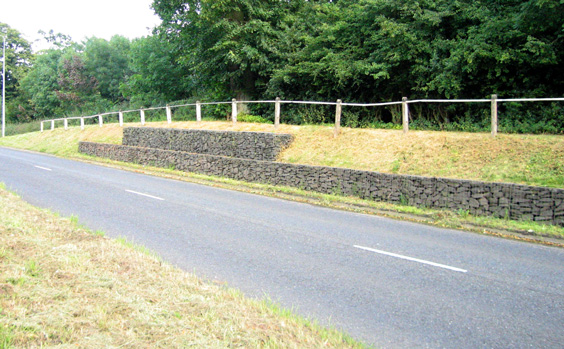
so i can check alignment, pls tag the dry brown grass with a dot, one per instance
(62, 285)
(479, 156)
(536, 160)
(524, 159)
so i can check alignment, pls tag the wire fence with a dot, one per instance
(494, 102)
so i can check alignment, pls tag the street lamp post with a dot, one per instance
(4, 89)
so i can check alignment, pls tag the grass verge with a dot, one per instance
(62, 285)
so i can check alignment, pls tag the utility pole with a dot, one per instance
(4, 90)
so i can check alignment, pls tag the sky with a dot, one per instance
(80, 19)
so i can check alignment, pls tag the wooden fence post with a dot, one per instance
(338, 111)
(494, 115)
(41, 126)
(277, 113)
(120, 116)
(82, 123)
(405, 114)
(66, 122)
(101, 120)
(234, 110)
(142, 112)
(52, 125)
(168, 114)
(198, 111)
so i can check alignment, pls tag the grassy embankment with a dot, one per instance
(63, 285)
(524, 159)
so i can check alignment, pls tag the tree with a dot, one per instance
(230, 46)
(57, 40)
(18, 61)
(156, 76)
(378, 50)
(72, 78)
(18, 57)
(77, 87)
(41, 83)
(542, 22)
(108, 63)
(355, 50)
(371, 50)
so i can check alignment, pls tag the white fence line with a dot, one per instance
(531, 99)
(449, 101)
(494, 101)
(370, 104)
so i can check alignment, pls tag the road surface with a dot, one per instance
(387, 283)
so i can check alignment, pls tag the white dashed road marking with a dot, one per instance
(146, 195)
(412, 259)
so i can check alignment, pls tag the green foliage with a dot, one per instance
(56, 40)
(253, 118)
(353, 50)
(19, 128)
(108, 63)
(6, 336)
(72, 79)
(41, 83)
(156, 76)
(18, 57)
(229, 47)
(184, 113)
(382, 50)
(18, 61)
(532, 118)
(32, 268)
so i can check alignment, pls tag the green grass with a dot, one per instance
(14, 129)
(32, 268)
(6, 336)
(132, 245)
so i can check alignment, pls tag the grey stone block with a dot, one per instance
(246, 145)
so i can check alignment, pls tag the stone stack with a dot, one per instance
(243, 145)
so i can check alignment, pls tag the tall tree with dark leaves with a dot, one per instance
(77, 87)
(156, 77)
(231, 47)
(41, 83)
(108, 63)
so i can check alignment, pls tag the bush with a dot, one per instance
(15, 129)
(253, 118)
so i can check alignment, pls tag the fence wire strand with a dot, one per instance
(493, 100)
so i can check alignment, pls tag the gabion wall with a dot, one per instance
(244, 145)
(480, 198)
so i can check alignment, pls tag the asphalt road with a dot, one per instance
(387, 283)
